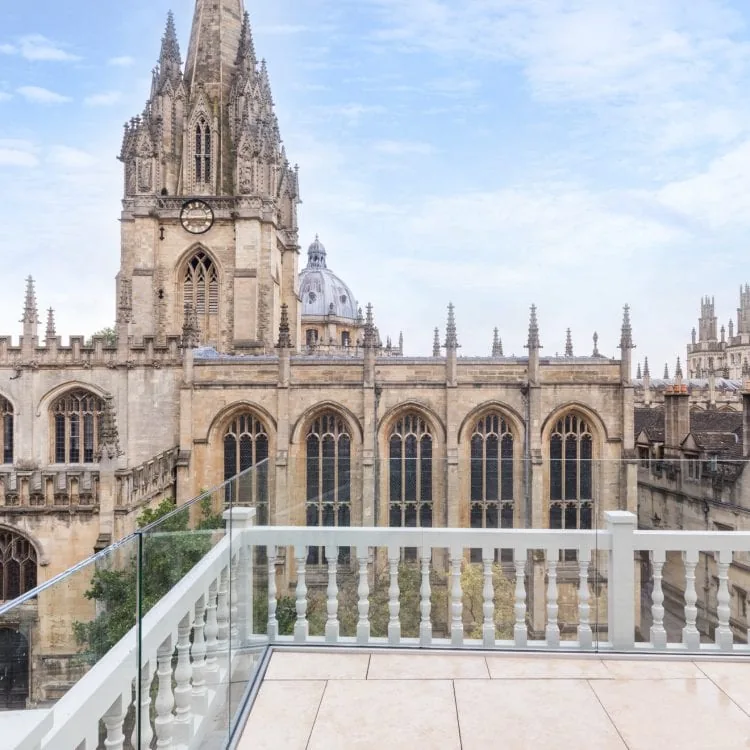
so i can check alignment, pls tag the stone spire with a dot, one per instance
(646, 373)
(568, 344)
(533, 342)
(246, 57)
(666, 371)
(190, 329)
(678, 370)
(370, 333)
(401, 343)
(285, 339)
(638, 374)
(596, 352)
(30, 317)
(451, 337)
(436, 343)
(497, 344)
(170, 58)
(626, 335)
(109, 439)
(50, 333)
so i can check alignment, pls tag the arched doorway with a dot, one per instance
(14, 669)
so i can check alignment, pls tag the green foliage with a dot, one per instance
(169, 551)
(110, 336)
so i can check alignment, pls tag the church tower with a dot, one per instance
(209, 221)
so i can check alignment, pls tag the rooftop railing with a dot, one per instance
(158, 637)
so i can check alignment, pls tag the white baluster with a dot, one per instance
(520, 634)
(211, 631)
(394, 605)
(658, 633)
(272, 629)
(164, 703)
(488, 600)
(457, 596)
(234, 630)
(585, 637)
(332, 595)
(724, 635)
(222, 619)
(363, 594)
(552, 631)
(198, 653)
(113, 721)
(242, 594)
(143, 711)
(183, 723)
(690, 634)
(301, 626)
(425, 599)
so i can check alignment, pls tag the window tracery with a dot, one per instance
(246, 446)
(18, 565)
(6, 435)
(202, 151)
(410, 472)
(201, 290)
(77, 424)
(328, 478)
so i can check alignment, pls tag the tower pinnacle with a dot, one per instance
(533, 342)
(451, 337)
(497, 344)
(626, 335)
(568, 344)
(30, 318)
(436, 343)
(170, 58)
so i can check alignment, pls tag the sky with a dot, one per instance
(575, 154)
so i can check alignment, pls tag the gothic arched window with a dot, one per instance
(18, 565)
(202, 151)
(201, 290)
(77, 421)
(6, 434)
(491, 493)
(328, 477)
(571, 474)
(410, 472)
(245, 447)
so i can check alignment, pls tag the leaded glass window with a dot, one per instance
(76, 421)
(245, 447)
(18, 565)
(410, 472)
(328, 478)
(202, 152)
(201, 291)
(492, 472)
(6, 435)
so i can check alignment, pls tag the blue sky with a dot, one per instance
(576, 154)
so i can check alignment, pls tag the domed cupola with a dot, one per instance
(321, 291)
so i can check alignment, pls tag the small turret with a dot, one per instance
(666, 371)
(50, 333)
(533, 346)
(638, 373)
(596, 352)
(30, 317)
(401, 343)
(370, 341)
(451, 337)
(568, 344)
(646, 373)
(285, 339)
(626, 346)
(497, 344)
(436, 343)
(678, 371)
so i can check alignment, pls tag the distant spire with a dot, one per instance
(626, 336)
(190, 329)
(666, 371)
(638, 374)
(568, 344)
(646, 373)
(30, 317)
(451, 338)
(533, 342)
(596, 353)
(246, 57)
(370, 335)
(436, 344)
(497, 344)
(170, 59)
(678, 370)
(401, 343)
(285, 339)
(50, 333)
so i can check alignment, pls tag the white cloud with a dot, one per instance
(353, 112)
(402, 148)
(124, 61)
(5, 96)
(72, 158)
(105, 99)
(8, 49)
(17, 154)
(39, 95)
(38, 47)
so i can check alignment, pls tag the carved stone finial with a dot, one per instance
(646, 373)
(190, 328)
(436, 343)
(678, 370)
(109, 439)
(626, 336)
(451, 337)
(246, 51)
(596, 352)
(638, 373)
(50, 333)
(371, 338)
(285, 339)
(30, 311)
(533, 341)
(568, 344)
(497, 344)
(666, 371)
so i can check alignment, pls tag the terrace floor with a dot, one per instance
(387, 700)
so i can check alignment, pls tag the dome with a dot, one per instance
(322, 292)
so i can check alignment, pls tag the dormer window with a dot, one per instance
(202, 151)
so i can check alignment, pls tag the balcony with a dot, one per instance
(180, 632)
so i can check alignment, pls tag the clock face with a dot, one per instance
(196, 217)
